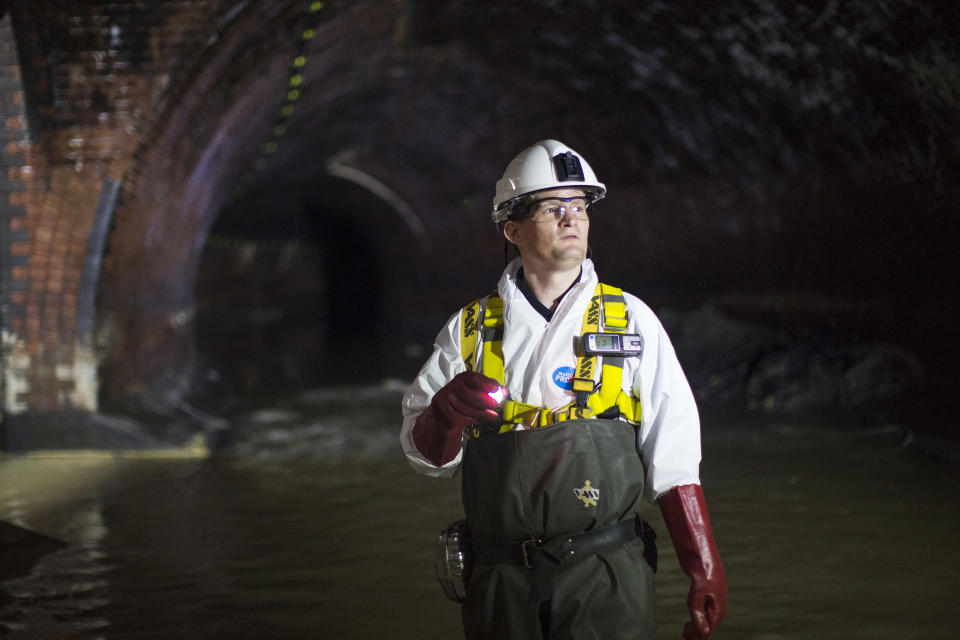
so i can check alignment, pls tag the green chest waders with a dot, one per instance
(533, 500)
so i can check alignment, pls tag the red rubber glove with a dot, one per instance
(465, 400)
(685, 513)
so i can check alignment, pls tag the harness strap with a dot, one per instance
(469, 334)
(583, 385)
(607, 311)
(493, 339)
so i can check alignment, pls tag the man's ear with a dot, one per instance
(510, 230)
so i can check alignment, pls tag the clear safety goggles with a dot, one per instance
(555, 209)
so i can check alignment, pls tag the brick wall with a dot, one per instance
(14, 235)
(87, 94)
(189, 162)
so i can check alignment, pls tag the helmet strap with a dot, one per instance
(506, 251)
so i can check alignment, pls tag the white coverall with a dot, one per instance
(538, 361)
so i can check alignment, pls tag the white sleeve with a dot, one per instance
(669, 435)
(444, 363)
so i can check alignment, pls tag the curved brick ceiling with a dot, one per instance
(753, 128)
(748, 147)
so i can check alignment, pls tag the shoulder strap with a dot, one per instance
(468, 333)
(610, 394)
(489, 333)
(493, 339)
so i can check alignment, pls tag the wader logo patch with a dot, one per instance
(587, 494)
(563, 377)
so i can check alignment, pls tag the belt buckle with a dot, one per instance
(527, 557)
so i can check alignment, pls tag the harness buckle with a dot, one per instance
(528, 554)
(530, 418)
(520, 413)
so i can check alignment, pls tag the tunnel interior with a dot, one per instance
(770, 182)
(302, 197)
(309, 186)
(290, 289)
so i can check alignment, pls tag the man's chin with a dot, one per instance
(569, 257)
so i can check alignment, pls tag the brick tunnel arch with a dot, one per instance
(300, 289)
(318, 275)
(279, 286)
(193, 171)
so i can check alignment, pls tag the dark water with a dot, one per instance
(310, 524)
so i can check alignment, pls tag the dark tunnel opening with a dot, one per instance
(290, 293)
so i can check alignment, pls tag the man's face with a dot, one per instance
(555, 237)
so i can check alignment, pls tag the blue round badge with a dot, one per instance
(563, 377)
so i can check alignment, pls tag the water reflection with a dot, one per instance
(309, 523)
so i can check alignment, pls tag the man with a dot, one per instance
(562, 403)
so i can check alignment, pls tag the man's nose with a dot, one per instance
(567, 216)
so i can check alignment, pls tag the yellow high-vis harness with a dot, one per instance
(607, 312)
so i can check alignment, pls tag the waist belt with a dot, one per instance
(537, 553)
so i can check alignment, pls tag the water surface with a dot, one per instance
(309, 523)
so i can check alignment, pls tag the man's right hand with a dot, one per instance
(465, 400)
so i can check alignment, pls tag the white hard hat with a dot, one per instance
(548, 164)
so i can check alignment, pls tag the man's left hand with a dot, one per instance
(685, 514)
